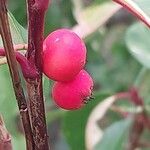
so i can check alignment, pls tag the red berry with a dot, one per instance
(73, 94)
(64, 55)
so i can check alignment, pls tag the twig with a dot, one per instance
(36, 13)
(134, 9)
(132, 95)
(136, 131)
(11, 59)
(141, 119)
(135, 97)
(122, 95)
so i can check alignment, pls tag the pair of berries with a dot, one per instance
(64, 56)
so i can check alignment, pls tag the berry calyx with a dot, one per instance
(64, 55)
(73, 94)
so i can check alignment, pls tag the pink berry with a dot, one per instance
(64, 55)
(73, 94)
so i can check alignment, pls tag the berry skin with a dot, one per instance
(64, 55)
(73, 94)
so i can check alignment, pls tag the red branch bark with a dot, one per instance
(14, 72)
(36, 13)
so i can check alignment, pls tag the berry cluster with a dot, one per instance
(64, 56)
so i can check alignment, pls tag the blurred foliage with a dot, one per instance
(8, 108)
(109, 61)
(121, 130)
(137, 39)
(74, 123)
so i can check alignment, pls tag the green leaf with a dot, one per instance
(8, 106)
(138, 42)
(115, 136)
(143, 84)
(19, 34)
(47, 86)
(18, 142)
(92, 17)
(74, 123)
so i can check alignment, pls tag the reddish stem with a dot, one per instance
(137, 130)
(14, 72)
(131, 95)
(141, 120)
(41, 5)
(122, 95)
(36, 13)
(135, 98)
(138, 13)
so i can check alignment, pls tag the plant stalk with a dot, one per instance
(14, 72)
(36, 13)
(134, 9)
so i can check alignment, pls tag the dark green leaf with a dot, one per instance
(115, 136)
(9, 109)
(74, 124)
(19, 34)
(138, 42)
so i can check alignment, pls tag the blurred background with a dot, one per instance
(107, 30)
